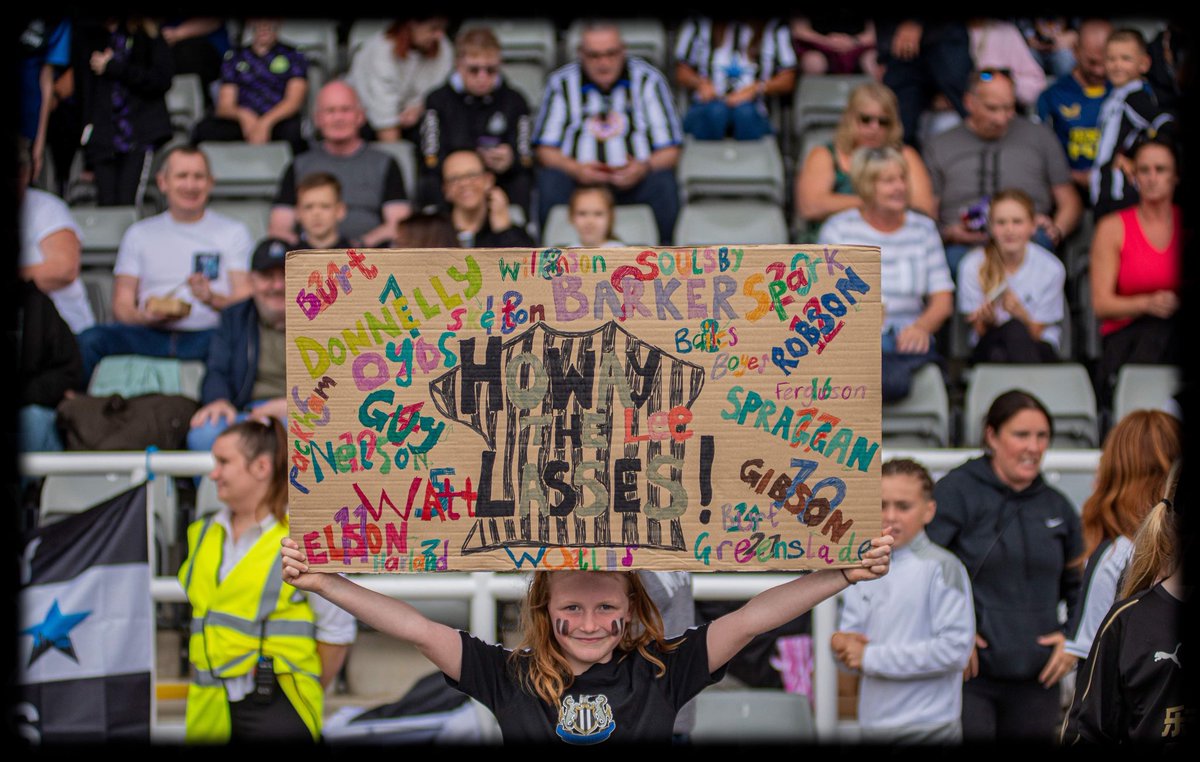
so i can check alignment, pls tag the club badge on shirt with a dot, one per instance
(612, 124)
(585, 721)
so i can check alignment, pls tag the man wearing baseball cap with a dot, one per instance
(246, 368)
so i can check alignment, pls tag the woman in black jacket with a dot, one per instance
(1017, 537)
(124, 106)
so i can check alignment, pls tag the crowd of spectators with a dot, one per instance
(974, 158)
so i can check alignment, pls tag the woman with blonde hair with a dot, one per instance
(1011, 289)
(1136, 459)
(918, 292)
(593, 664)
(1132, 689)
(871, 119)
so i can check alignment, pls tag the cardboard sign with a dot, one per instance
(694, 409)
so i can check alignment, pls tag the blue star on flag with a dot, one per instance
(54, 632)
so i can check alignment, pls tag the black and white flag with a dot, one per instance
(85, 626)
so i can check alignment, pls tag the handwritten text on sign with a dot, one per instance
(696, 409)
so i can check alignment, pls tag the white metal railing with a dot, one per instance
(483, 589)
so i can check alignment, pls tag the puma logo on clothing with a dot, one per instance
(1173, 656)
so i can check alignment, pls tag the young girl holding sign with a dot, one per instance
(593, 664)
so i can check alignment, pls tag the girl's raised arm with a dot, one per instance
(439, 643)
(783, 603)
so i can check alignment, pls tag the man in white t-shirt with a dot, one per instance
(50, 248)
(187, 252)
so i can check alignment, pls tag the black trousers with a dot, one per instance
(1010, 710)
(1146, 341)
(214, 128)
(251, 721)
(1012, 342)
(117, 178)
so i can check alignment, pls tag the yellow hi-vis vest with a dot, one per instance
(251, 608)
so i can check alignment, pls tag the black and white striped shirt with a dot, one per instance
(635, 118)
(729, 63)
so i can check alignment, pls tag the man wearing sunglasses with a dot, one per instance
(476, 110)
(991, 151)
(609, 119)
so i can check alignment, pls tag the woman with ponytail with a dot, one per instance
(1133, 687)
(262, 653)
(1011, 290)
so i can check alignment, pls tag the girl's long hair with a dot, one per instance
(1134, 464)
(1155, 546)
(992, 272)
(255, 439)
(549, 673)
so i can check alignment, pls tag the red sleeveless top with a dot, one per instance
(1145, 269)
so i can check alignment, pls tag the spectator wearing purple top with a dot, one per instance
(263, 87)
(124, 107)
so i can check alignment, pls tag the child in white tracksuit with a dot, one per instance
(909, 634)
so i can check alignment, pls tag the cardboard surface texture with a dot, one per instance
(700, 409)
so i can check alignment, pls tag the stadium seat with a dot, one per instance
(923, 418)
(821, 98)
(731, 169)
(242, 170)
(530, 40)
(98, 282)
(254, 214)
(102, 228)
(634, 225)
(527, 78)
(185, 103)
(734, 716)
(643, 37)
(725, 222)
(360, 31)
(316, 38)
(405, 154)
(1146, 386)
(1064, 388)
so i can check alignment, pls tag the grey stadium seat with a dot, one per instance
(98, 283)
(763, 715)
(725, 222)
(531, 40)
(643, 37)
(405, 154)
(1146, 386)
(253, 213)
(361, 31)
(820, 99)
(242, 170)
(923, 418)
(315, 38)
(528, 79)
(731, 168)
(1064, 388)
(634, 225)
(185, 102)
(102, 229)
(132, 375)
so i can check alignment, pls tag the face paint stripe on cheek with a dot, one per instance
(618, 626)
(562, 627)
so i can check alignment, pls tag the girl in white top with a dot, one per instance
(395, 69)
(1011, 290)
(592, 212)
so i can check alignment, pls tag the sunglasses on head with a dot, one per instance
(987, 75)
(477, 70)
(868, 119)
